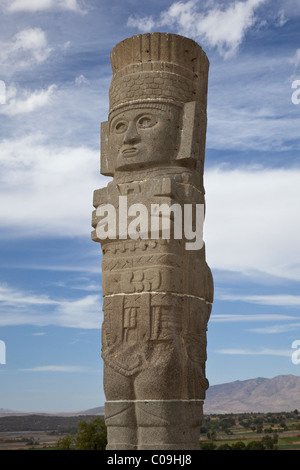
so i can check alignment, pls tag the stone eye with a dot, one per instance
(146, 121)
(120, 127)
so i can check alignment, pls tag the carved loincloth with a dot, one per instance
(142, 331)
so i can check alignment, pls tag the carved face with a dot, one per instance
(140, 137)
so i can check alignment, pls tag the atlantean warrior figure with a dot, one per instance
(157, 290)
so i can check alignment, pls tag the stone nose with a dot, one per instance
(131, 136)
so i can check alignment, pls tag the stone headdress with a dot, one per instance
(160, 69)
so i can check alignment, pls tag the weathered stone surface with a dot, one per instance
(157, 293)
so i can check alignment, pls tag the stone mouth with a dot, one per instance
(129, 151)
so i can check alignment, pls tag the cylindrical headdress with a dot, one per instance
(158, 67)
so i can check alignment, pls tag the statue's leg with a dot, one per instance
(169, 425)
(168, 419)
(119, 411)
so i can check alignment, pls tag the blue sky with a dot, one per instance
(55, 63)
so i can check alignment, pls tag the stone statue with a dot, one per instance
(157, 293)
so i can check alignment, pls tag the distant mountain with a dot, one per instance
(6, 412)
(281, 393)
(93, 411)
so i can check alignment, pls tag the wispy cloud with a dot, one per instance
(295, 60)
(262, 317)
(219, 27)
(82, 313)
(275, 299)
(281, 18)
(13, 297)
(28, 103)
(81, 80)
(27, 48)
(276, 329)
(146, 23)
(31, 6)
(18, 307)
(288, 322)
(261, 352)
(54, 368)
(250, 107)
(48, 267)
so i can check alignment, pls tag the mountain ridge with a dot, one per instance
(278, 394)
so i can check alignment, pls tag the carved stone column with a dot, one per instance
(157, 289)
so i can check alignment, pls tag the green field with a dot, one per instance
(251, 431)
(244, 431)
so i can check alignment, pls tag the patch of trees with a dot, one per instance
(90, 436)
(59, 424)
(268, 423)
(266, 443)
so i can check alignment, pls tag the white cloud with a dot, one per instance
(262, 352)
(296, 59)
(16, 6)
(262, 317)
(23, 308)
(13, 297)
(143, 24)
(81, 79)
(66, 45)
(47, 190)
(278, 299)
(251, 225)
(82, 313)
(276, 329)
(31, 101)
(46, 267)
(56, 369)
(289, 322)
(32, 40)
(281, 19)
(219, 27)
(27, 48)
(252, 221)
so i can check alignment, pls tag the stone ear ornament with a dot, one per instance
(106, 164)
(192, 132)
